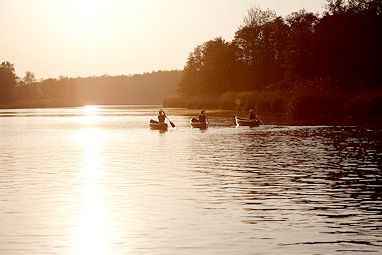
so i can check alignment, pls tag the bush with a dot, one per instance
(317, 106)
(304, 99)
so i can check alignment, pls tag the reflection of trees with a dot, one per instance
(359, 163)
(330, 173)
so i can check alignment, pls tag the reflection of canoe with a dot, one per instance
(158, 125)
(247, 122)
(195, 123)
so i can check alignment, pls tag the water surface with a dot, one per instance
(97, 180)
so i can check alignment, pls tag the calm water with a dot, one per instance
(99, 181)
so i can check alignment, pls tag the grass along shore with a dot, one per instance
(303, 101)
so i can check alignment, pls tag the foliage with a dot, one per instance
(342, 45)
(147, 88)
(8, 81)
(209, 68)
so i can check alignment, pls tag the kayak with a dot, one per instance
(158, 125)
(247, 122)
(195, 123)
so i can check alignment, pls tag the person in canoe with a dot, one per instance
(161, 116)
(252, 115)
(202, 116)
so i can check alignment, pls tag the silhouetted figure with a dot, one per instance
(202, 116)
(161, 116)
(252, 115)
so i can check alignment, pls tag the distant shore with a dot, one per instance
(28, 105)
(27, 92)
(268, 117)
(31, 105)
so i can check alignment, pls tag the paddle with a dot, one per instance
(172, 124)
(260, 121)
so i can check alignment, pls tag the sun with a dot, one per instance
(90, 10)
(88, 14)
(89, 114)
(90, 109)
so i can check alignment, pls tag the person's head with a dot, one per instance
(160, 112)
(251, 111)
(202, 111)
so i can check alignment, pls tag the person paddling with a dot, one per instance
(252, 115)
(161, 116)
(202, 116)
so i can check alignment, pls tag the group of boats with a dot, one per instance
(195, 123)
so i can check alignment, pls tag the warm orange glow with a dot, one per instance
(89, 114)
(92, 232)
(85, 21)
(96, 37)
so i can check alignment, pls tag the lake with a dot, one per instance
(96, 180)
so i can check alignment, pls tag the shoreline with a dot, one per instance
(44, 106)
(269, 118)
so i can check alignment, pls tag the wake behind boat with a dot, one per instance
(158, 125)
(247, 122)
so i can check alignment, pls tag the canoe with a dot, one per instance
(158, 125)
(195, 123)
(246, 122)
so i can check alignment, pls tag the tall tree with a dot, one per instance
(253, 51)
(209, 69)
(347, 42)
(29, 78)
(27, 89)
(8, 81)
(299, 53)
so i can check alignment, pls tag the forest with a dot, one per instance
(304, 64)
(147, 88)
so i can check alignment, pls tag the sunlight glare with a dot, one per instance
(92, 233)
(88, 11)
(86, 22)
(89, 114)
(91, 109)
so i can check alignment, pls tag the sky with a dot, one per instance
(119, 37)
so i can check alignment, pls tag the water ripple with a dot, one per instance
(112, 186)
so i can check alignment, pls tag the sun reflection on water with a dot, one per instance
(92, 231)
(89, 114)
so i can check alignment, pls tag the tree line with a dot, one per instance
(340, 49)
(147, 88)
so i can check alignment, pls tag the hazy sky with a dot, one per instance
(95, 37)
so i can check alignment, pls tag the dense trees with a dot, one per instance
(209, 68)
(302, 64)
(8, 80)
(348, 42)
(259, 47)
(343, 45)
(147, 88)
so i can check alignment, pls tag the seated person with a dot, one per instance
(202, 117)
(252, 115)
(161, 116)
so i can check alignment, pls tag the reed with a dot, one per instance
(303, 99)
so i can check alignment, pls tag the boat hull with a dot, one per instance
(198, 124)
(158, 125)
(246, 122)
